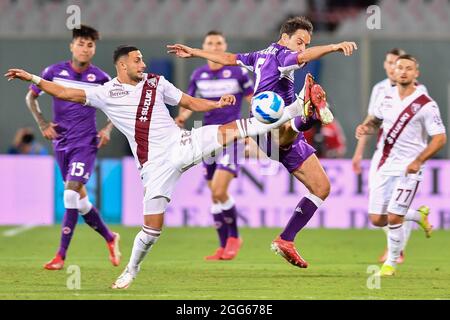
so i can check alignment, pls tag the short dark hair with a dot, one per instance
(86, 32)
(396, 52)
(28, 138)
(292, 25)
(214, 33)
(123, 50)
(409, 57)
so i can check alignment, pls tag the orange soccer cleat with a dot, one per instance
(232, 248)
(114, 252)
(315, 101)
(57, 263)
(288, 251)
(217, 255)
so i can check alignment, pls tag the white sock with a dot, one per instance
(395, 243)
(407, 228)
(216, 208)
(386, 232)
(227, 205)
(71, 199)
(413, 215)
(142, 244)
(252, 127)
(84, 205)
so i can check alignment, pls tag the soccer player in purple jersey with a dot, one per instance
(274, 69)
(75, 140)
(211, 81)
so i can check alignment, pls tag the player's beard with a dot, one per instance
(136, 77)
(405, 84)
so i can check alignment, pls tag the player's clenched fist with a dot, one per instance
(361, 130)
(18, 74)
(226, 100)
(346, 47)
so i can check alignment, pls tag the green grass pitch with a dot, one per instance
(175, 268)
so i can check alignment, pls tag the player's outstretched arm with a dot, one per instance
(182, 51)
(317, 52)
(203, 105)
(53, 89)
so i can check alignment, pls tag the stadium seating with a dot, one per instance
(399, 17)
(148, 17)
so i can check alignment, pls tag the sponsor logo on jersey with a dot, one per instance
(437, 120)
(117, 93)
(226, 73)
(402, 121)
(146, 106)
(64, 73)
(91, 77)
(415, 107)
(152, 83)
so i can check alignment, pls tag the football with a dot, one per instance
(267, 106)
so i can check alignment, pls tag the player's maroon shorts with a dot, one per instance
(76, 164)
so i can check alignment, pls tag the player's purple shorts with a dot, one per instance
(292, 157)
(296, 154)
(226, 159)
(76, 164)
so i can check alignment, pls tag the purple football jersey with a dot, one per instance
(212, 84)
(274, 69)
(76, 123)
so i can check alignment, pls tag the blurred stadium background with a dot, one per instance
(33, 35)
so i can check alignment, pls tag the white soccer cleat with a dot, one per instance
(125, 279)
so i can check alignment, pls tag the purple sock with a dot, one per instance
(303, 213)
(222, 228)
(93, 219)
(230, 217)
(302, 125)
(68, 227)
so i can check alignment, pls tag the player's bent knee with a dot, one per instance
(219, 195)
(322, 190)
(155, 206)
(394, 218)
(71, 199)
(74, 185)
(378, 220)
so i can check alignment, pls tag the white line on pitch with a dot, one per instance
(15, 231)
